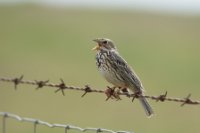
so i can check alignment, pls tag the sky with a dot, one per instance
(168, 6)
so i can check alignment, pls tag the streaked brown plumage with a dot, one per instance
(116, 70)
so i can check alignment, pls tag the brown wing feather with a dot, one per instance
(125, 71)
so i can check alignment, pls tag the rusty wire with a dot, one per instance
(111, 93)
(36, 122)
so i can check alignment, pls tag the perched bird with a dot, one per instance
(116, 70)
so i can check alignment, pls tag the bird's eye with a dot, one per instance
(105, 42)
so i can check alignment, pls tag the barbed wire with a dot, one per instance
(110, 92)
(37, 122)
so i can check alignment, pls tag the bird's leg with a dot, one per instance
(126, 92)
(123, 91)
(118, 90)
(117, 93)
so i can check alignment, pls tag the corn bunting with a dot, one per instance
(116, 70)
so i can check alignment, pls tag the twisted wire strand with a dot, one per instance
(36, 122)
(87, 89)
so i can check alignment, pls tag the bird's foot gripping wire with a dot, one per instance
(125, 91)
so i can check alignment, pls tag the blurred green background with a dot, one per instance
(43, 43)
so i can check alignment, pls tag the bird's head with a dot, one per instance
(104, 44)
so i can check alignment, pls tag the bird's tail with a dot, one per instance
(146, 106)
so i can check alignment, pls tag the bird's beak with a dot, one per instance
(97, 47)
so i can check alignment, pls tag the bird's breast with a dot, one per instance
(107, 71)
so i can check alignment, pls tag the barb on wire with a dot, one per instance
(110, 92)
(41, 83)
(87, 90)
(16, 81)
(61, 87)
(36, 122)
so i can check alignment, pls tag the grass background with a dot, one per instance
(50, 43)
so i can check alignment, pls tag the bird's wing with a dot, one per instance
(125, 72)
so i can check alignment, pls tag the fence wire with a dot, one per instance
(36, 122)
(110, 92)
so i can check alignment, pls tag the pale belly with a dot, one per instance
(112, 78)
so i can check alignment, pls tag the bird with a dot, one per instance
(117, 71)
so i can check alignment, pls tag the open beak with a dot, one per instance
(97, 47)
